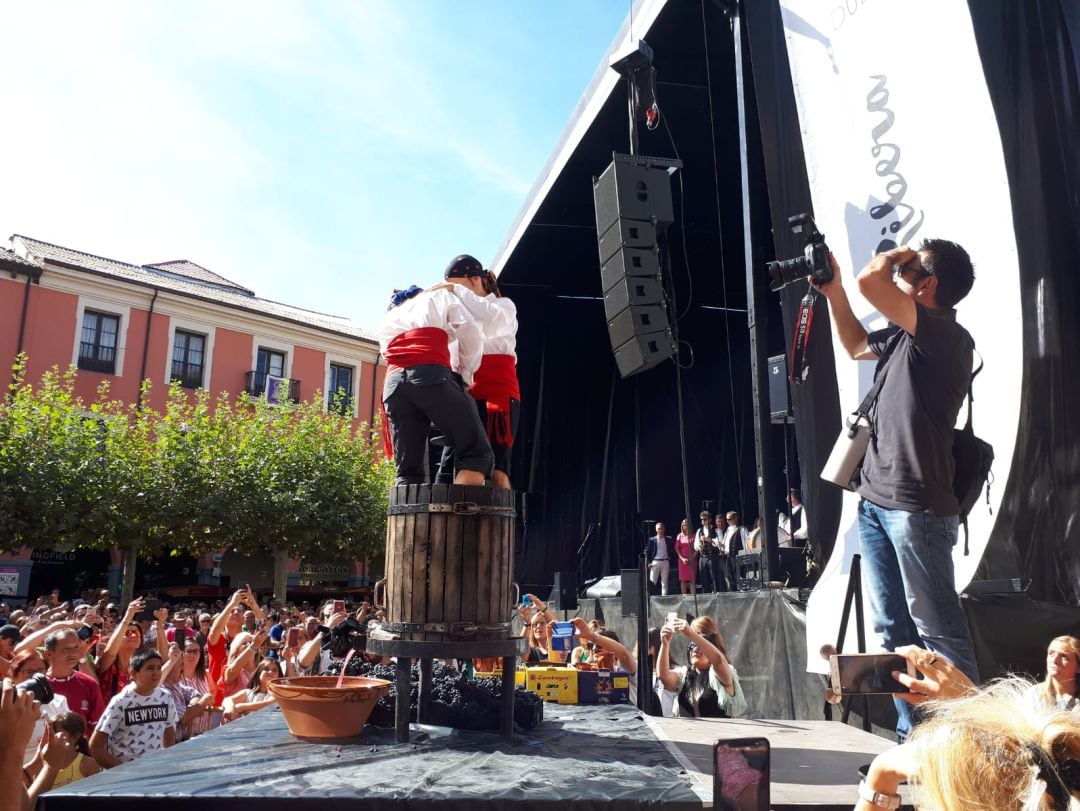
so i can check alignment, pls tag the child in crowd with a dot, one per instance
(139, 719)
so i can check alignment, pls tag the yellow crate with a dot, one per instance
(557, 684)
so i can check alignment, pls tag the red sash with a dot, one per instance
(416, 347)
(496, 383)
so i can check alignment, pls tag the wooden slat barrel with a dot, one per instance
(449, 562)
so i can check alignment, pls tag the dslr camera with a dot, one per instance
(813, 263)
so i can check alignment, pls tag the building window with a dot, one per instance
(269, 379)
(270, 362)
(339, 390)
(97, 347)
(188, 359)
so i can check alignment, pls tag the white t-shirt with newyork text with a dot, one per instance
(136, 724)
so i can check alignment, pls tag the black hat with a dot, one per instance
(463, 265)
(11, 632)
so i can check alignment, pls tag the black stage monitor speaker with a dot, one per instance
(629, 190)
(779, 404)
(631, 592)
(564, 592)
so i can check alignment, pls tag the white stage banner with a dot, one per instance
(901, 144)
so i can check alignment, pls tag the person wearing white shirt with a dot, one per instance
(794, 528)
(495, 388)
(735, 540)
(420, 333)
(660, 558)
(706, 543)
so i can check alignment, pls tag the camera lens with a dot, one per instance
(38, 686)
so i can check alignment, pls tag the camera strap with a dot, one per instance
(800, 365)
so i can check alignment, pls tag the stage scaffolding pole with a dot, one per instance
(756, 319)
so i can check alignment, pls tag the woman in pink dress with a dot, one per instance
(684, 548)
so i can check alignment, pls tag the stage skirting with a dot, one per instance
(578, 757)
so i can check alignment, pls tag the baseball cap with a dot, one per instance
(11, 632)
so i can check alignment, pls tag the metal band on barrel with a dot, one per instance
(457, 508)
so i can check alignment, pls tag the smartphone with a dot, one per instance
(339, 606)
(292, 639)
(526, 599)
(180, 636)
(741, 774)
(671, 617)
(85, 632)
(147, 614)
(867, 673)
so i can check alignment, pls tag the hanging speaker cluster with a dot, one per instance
(633, 207)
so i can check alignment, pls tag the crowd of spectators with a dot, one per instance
(128, 680)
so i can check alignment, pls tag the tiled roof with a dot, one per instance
(182, 267)
(213, 288)
(11, 258)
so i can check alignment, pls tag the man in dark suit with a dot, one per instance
(660, 555)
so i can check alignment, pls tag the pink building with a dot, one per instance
(166, 321)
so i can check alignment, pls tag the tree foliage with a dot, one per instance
(201, 475)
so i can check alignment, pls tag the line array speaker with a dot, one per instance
(633, 205)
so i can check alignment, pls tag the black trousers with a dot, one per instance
(420, 395)
(501, 451)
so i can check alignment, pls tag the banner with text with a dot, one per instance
(901, 144)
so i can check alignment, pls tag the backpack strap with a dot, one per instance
(970, 430)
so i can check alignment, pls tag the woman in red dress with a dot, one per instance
(684, 548)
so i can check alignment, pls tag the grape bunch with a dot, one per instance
(455, 701)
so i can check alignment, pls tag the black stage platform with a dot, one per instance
(580, 756)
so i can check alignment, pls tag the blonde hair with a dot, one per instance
(1000, 748)
(1072, 644)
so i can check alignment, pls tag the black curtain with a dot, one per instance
(816, 402)
(1030, 53)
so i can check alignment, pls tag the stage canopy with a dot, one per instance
(596, 455)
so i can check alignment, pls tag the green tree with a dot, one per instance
(297, 480)
(202, 474)
(46, 445)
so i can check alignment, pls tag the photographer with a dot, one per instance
(908, 514)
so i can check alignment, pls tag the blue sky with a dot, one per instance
(320, 153)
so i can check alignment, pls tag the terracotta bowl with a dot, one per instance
(315, 707)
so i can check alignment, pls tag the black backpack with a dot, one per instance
(973, 458)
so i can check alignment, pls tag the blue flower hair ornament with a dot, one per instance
(401, 296)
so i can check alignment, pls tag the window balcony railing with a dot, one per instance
(94, 358)
(189, 375)
(276, 389)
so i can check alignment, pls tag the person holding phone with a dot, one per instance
(708, 687)
(113, 664)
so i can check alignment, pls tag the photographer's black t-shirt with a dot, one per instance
(909, 462)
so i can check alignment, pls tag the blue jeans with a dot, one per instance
(908, 572)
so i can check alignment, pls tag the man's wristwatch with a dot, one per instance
(876, 798)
